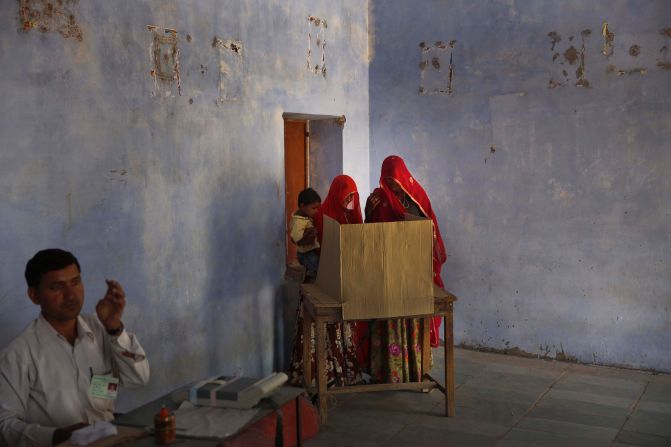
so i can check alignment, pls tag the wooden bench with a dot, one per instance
(295, 272)
(321, 309)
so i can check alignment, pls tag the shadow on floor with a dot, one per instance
(510, 401)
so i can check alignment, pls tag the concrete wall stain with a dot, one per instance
(608, 37)
(664, 63)
(55, 16)
(619, 72)
(433, 81)
(575, 56)
(571, 56)
(580, 71)
(317, 38)
(545, 354)
(554, 38)
(230, 68)
(164, 52)
(622, 68)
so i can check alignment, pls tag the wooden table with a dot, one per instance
(321, 309)
(127, 436)
(143, 417)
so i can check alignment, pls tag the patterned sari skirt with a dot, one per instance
(342, 366)
(396, 350)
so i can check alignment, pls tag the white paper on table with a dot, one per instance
(92, 433)
(215, 422)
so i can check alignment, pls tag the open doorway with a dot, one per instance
(313, 155)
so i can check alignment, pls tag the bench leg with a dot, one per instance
(321, 368)
(307, 347)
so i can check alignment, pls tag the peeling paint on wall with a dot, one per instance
(117, 175)
(638, 70)
(317, 38)
(634, 53)
(554, 38)
(573, 56)
(164, 56)
(620, 67)
(608, 37)
(56, 16)
(230, 69)
(664, 63)
(570, 56)
(580, 71)
(433, 80)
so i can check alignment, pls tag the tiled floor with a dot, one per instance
(507, 401)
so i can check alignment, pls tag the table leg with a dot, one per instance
(321, 368)
(307, 347)
(450, 408)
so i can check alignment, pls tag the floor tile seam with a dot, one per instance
(648, 435)
(586, 400)
(401, 430)
(593, 408)
(633, 409)
(564, 373)
(557, 436)
(457, 386)
(575, 425)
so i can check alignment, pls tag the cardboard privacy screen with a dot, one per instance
(379, 270)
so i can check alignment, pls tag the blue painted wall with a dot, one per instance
(554, 201)
(180, 198)
(325, 154)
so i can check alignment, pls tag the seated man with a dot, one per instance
(62, 372)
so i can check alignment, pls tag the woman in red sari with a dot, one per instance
(341, 204)
(395, 345)
(342, 367)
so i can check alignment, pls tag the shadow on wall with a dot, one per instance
(245, 297)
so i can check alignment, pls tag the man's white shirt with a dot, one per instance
(45, 381)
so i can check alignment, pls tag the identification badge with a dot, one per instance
(104, 387)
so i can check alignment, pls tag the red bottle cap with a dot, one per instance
(164, 413)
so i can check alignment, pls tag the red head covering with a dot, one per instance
(388, 208)
(394, 167)
(333, 206)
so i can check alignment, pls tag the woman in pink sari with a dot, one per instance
(395, 345)
(342, 367)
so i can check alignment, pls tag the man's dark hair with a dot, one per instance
(45, 261)
(308, 196)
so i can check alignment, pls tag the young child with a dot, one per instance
(303, 232)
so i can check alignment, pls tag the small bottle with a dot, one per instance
(164, 427)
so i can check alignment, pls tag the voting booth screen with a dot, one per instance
(379, 270)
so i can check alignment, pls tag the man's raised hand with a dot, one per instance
(110, 307)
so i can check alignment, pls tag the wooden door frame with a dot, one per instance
(305, 118)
